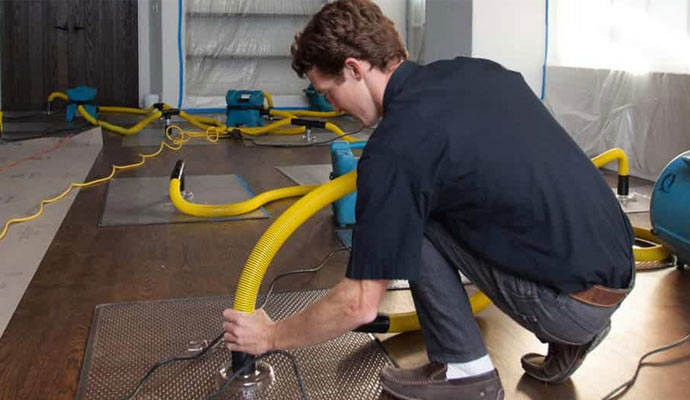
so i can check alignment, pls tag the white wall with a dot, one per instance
(144, 49)
(511, 32)
(396, 11)
(158, 65)
(447, 31)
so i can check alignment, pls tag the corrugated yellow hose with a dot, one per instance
(321, 114)
(57, 95)
(655, 252)
(611, 155)
(118, 129)
(125, 110)
(274, 237)
(408, 322)
(227, 210)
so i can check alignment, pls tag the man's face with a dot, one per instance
(349, 94)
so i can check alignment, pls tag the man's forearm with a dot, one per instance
(337, 313)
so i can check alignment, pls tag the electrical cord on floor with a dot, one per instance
(164, 361)
(300, 382)
(623, 388)
(317, 268)
(176, 143)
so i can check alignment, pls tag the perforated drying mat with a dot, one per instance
(127, 338)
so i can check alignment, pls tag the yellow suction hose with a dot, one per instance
(124, 110)
(408, 322)
(57, 95)
(655, 252)
(273, 238)
(118, 129)
(227, 210)
(611, 155)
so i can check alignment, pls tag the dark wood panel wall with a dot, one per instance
(52, 45)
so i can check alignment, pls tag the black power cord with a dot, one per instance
(219, 338)
(318, 267)
(164, 361)
(623, 388)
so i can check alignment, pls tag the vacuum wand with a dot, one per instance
(240, 359)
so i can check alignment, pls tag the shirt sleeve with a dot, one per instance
(391, 212)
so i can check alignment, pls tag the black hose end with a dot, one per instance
(178, 173)
(380, 324)
(623, 185)
(309, 123)
(239, 360)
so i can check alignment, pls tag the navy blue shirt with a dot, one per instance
(467, 143)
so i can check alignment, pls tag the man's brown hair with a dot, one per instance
(342, 29)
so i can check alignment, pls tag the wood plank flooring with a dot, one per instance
(42, 348)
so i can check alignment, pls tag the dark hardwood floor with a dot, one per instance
(42, 348)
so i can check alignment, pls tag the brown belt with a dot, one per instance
(600, 296)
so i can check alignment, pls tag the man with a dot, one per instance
(468, 171)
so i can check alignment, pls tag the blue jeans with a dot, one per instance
(445, 315)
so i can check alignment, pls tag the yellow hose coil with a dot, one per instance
(613, 155)
(118, 129)
(653, 253)
(226, 210)
(408, 322)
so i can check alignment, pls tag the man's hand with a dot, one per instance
(249, 333)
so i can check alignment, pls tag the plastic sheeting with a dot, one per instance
(619, 76)
(647, 116)
(242, 44)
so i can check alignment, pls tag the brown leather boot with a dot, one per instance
(561, 360)
(429, 382)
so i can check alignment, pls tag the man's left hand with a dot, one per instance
(248, 333)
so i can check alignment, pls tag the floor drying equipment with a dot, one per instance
(344, 161)
(317, 101)
(84, 96)
(244, 108)
(670, 208)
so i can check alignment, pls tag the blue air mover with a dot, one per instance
(317, 101)
(343, 162)
(244, 108)
(670, 208)
(81, 95)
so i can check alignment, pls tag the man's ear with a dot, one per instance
(355, 67)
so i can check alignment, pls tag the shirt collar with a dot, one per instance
(395, 84)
